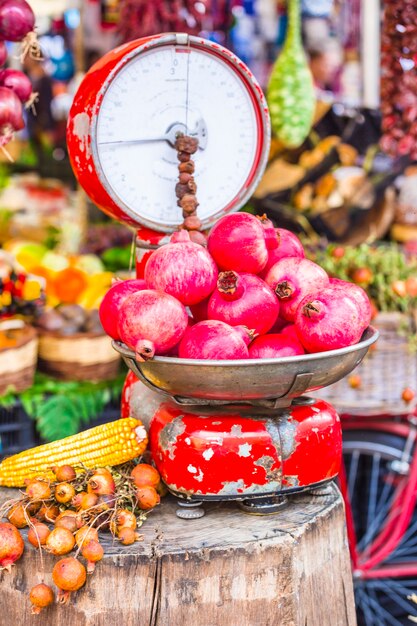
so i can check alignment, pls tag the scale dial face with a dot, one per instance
(124, 139)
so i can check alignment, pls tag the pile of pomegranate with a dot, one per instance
(251, 294)
(65, 516)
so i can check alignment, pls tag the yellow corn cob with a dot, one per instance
(108, 444)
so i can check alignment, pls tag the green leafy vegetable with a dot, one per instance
(61, 409)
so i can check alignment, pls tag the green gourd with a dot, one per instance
(290, 93)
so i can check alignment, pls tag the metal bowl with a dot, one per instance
(265, 382)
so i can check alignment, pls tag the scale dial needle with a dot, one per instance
(200, 131)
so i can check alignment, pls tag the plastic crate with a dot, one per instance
(17, 430)
(110, 413)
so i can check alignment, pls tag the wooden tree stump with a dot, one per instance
(225, 569)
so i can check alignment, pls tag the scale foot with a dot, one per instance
(264, 506)
(189, 509)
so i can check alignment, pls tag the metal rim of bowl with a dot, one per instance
(304, 358)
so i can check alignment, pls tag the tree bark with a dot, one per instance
(225, 569)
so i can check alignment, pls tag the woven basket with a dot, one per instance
(384, 373)
(83, 356)
(18, 363)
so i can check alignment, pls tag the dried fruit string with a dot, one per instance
(186, 188)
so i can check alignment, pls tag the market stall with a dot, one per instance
(187, 307)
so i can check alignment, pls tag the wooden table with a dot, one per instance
(225, 569)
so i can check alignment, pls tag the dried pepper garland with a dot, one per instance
(399, 78)
(140, 18)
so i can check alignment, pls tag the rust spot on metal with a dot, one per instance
(169, 435)
(287, 431)
(272, 475)
(238, 487)
(282, 432)
(290, 481)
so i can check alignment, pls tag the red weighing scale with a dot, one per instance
(219, 430)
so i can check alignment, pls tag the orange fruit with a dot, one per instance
(69, 284)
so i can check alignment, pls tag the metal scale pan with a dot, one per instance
(272, 383)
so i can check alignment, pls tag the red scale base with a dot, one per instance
(244, 453)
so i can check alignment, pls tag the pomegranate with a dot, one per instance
(18, 516)
(67, 521)
(270, 233)
(183, 269)
(88, 500)
(358, 294)
(64, 493)
(112, 301)
(288, 245)
(199, 311)
(127, 535)
(64, 473)
(93, 552)
(48, 512)
(151, 322)
(38, 534)
(38, 489)
(328, 320)
(292, 280)
(144, 474)
(68, 575)
(101, 483)
(11, 545)
(125, 519)
(237, 242)
(60, 541)
(215, 340)
(84, 534)
(147, 497)
(41, 596)
(67, 512)
(77, 499)
(279, 325)
(274, 346)
(244, 300)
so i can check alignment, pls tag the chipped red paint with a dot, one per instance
(131, 379)
(318, 444)
(147, 241)
(232, 456)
